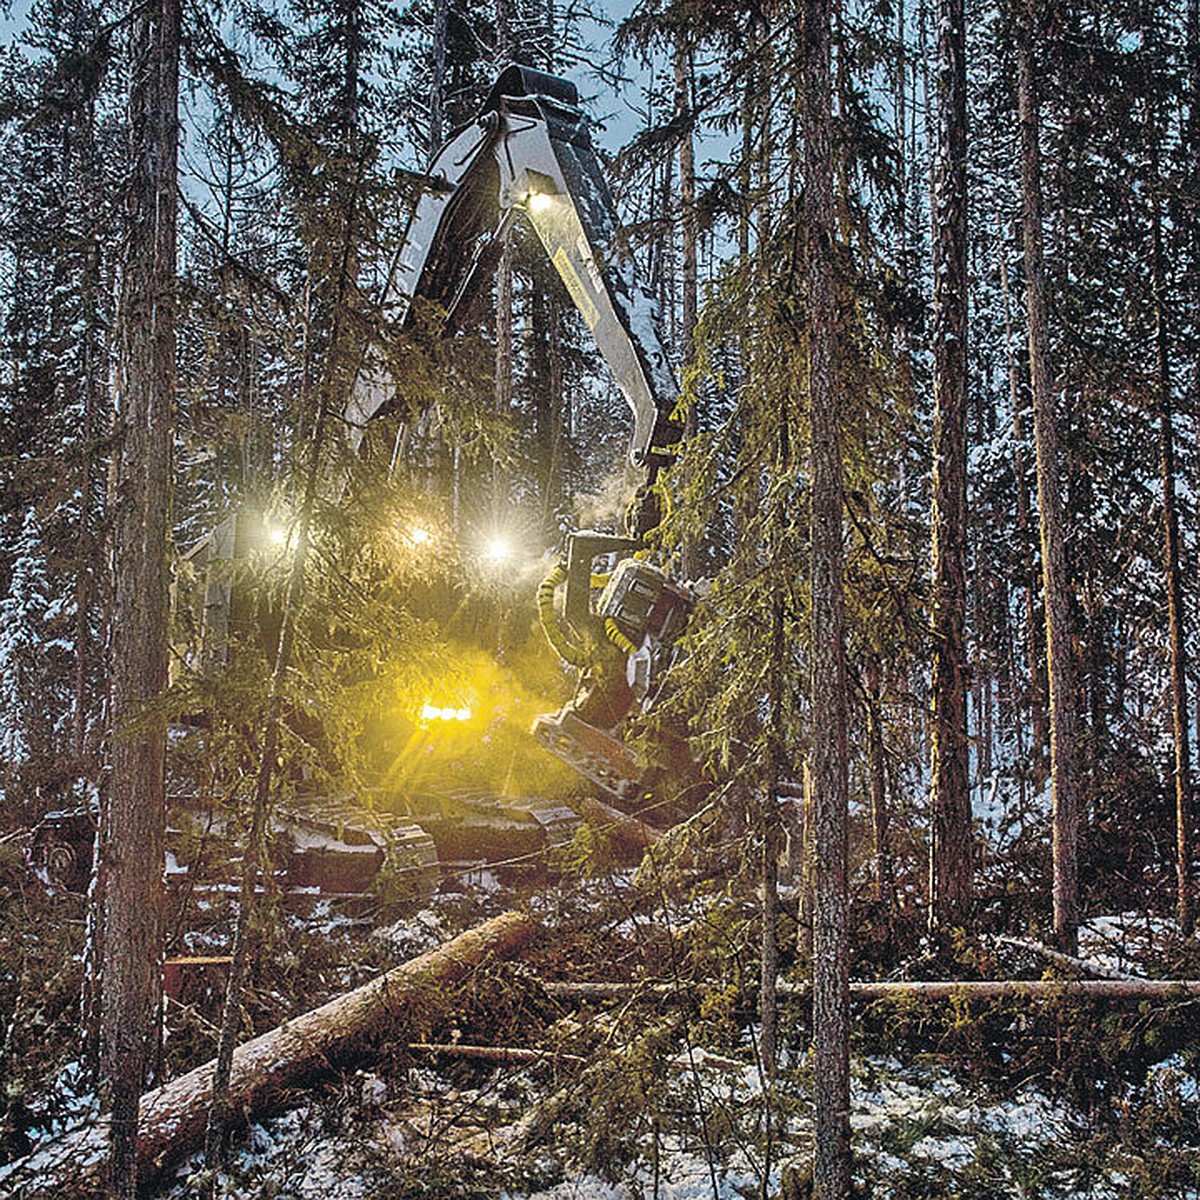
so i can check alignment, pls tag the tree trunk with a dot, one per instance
(689, 567)
(831, 973)
(804, 912)
(1171, 569)
(771, 831)
(1063, 767)
(437, 82)
(885, 891)
(1029, 570)
(543, 413)
(950, 801)
(503, 384)
(133, 822)
(396, 1007)
(92, 381)
(1192, 133)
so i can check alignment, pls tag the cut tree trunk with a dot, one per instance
(265, 1069)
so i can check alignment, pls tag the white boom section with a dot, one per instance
(530, 150)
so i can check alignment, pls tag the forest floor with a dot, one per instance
(658, 1096)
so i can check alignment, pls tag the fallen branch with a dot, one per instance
(540, 1121)
(1066, 960)
(173, 1117)
(607, 991)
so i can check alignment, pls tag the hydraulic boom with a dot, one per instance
(529, 151)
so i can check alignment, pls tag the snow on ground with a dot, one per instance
(1123, 942)
(681, 1177)
(918, 1130)
(920, 1120)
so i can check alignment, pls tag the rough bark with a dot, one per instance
(1172, 577)
(831, 976)
(1055, 579)
(266, 1069)
(950, 800)
(437, 82)
(1192, 42)
(133, 821)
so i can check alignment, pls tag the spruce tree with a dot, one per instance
(950, 802)
(132, 835)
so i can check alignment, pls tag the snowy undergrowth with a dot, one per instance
(919, 1130)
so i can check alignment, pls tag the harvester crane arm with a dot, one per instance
(529, 149)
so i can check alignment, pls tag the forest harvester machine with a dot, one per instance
(529, 151)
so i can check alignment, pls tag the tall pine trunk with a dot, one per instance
(950, 801)
(437, 83)
(1056, 583)
(689, 238)
(1192, 134)
(503, 382)
(1172, 574)
(133, 824)
(1024, 525)
(831, 970)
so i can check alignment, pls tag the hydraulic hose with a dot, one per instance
(556, 635)
(618, 639)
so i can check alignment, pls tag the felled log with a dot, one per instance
(265, 1069)
(921, 989)
(1023, 989)
(631, 831)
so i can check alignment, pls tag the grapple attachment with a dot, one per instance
(638, 615)
(598, 756)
